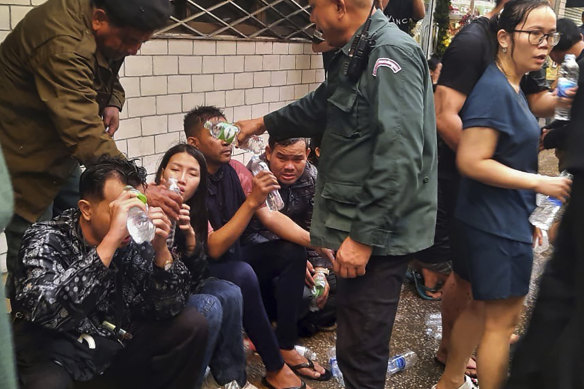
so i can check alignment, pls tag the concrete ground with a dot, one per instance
(409, 329)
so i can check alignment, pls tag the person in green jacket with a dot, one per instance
(376, 192)
(60, 96)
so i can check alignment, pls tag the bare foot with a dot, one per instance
(284, 378)
(292, 358)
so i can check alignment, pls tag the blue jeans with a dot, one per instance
(221, 303)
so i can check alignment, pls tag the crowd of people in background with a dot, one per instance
(395, 166)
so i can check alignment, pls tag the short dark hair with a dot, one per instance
(143, 15)
(569, 34)
(286, 142)
(198, 116)
(94, 177)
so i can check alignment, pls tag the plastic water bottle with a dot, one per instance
(274, 200)
(543, 216)
(568, 78)
(433, 328)
(319, 283)
(401, 362)
(139, 225)
(318, 288)
(336, 372)
(545, 243)
(173, 186)
(254, 143)
(305, 352)
(222, 130)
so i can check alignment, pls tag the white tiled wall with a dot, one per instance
(169, 77)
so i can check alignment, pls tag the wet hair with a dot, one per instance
(286, 142)
(569, 34)
(198, 202)
(195, 119)
(93, 179)
(515, 13)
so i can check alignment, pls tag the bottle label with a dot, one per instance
(563, 85)
(554, 201)
(400, 362)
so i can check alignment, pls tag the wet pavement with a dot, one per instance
(409, 329)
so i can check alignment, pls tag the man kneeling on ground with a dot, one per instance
(90, 301)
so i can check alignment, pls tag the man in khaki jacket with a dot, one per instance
(60, 96)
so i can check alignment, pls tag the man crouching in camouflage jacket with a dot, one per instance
(90, 301)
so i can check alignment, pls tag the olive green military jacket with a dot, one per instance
(377, 174)
(53, 86)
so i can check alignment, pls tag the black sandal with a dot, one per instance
(327, 375)
(270, 386)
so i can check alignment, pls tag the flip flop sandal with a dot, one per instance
(270, 386)
(327, 375)
(423, 289)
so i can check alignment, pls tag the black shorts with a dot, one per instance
(496, 267)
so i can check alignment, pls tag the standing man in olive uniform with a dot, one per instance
(376, 191)
(60, 96)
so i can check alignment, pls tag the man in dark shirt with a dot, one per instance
(549, 355)
(403, 12)
(570, 43)
(89, 300)
(288, 161)
(234, 197)
(465, 60)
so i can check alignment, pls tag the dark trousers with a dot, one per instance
(278, 266)
(550, 353)
(162, 354)
(255, 319)
(281, 268)
(365, 315)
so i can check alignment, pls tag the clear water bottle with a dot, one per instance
(319, 283)
(254, 143)
(545, 243)
(336, 372)
(318, 288)
(305, 352)
(139, 225)
(568, 78)
(274, 200)
(543, 216)
(222, 130)
(401, 362)
(173, 186)
(433, 328)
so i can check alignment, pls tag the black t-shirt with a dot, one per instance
(574, 160)
(400, 12)
(463, 64)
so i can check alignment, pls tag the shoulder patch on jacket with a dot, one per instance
(387, 62)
